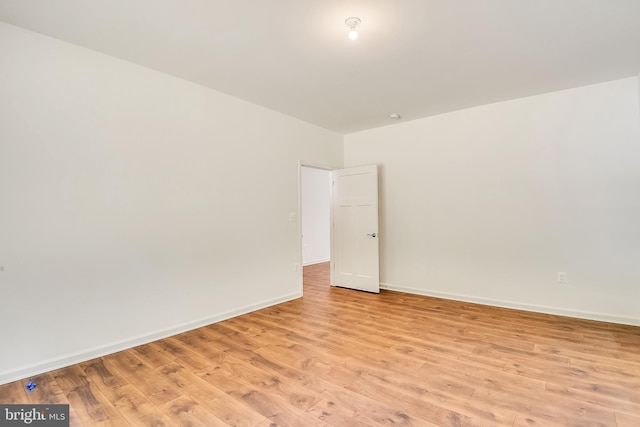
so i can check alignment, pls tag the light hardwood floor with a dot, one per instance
(346, 358)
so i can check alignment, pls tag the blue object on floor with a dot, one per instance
(31, 386)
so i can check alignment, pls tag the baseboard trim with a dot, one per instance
(602, 317)
(315, 261)
(95, 352)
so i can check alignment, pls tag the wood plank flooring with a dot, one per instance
(338, 357)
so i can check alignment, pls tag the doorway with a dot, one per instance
(339, 225)
(315, 217)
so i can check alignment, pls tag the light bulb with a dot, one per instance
(352, 23)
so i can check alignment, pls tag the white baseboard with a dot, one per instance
(315, 261)
(92, 353)
(602, 317)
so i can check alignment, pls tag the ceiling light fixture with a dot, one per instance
(352, 23)
(395, 116)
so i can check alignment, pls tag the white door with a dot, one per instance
(354, 228)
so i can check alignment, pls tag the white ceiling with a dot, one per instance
(413, 57)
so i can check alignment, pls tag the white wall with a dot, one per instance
(488, 204)
(135, 204)
(315, 202)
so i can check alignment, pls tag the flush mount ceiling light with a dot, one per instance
(395, 116)
(352, 23)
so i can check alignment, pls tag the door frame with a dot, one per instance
(314, 165)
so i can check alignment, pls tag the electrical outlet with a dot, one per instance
(561, 277)
(296, 266)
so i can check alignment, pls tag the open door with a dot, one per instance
(354, 229)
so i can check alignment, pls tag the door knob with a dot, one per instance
(372, 235)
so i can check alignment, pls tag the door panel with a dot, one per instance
(354, 231)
